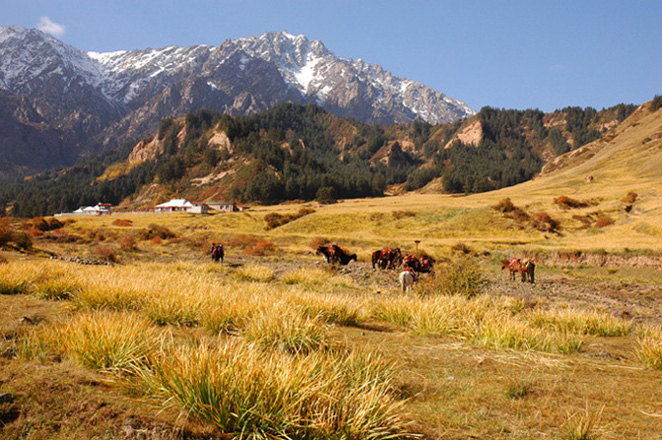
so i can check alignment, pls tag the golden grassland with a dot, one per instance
(313, 354)
(273, 344)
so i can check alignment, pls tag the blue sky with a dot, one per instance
(511, 54)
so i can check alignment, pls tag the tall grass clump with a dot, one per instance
(286, 328)
(580, 322)
(331, 309)
(582, 426)
(315, 278)
(649, 350)
(501, 332)
(459, 277)
(61, 287)
(251, 393)
(253, 272)
(14, 278)
(108, 341)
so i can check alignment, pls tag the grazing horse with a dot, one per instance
(426, 264)
(377, 260)
(513, 266)
(217, 252)
(387, 258)
(423, 264)
(407, 278)
(325, 252)
(335, 254)
(344, 258)
(528, 270)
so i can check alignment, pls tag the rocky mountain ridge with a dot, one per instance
(91, 101)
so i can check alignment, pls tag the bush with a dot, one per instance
(261, 248)
(22, 240)
(252, 245)
(5, 231)
(566, 202)
(319, 241)
(106, 253)
(121, 222)
(43, 225)
(128, 243)
(402, 214)
(39, 224)
(156, 231)
(275, 220)
(630, 198)
(603, 220)
(504, 205)
(461, 248)
(544, 222)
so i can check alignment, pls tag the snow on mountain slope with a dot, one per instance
(308, 66)
(29, 56)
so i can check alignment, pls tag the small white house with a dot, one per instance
(98, 209)
(174, 205)
(181, 205)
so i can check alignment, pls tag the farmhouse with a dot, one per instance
(223, 206)
(181, 205)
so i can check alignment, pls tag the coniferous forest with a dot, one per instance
(305, 153)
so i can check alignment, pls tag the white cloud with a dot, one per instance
(48, 26)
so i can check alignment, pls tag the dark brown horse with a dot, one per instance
(324, 251)
(528, 270)
(335, 254)
(423, 264)
(387, 258)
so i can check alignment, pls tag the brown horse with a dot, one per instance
(513, 266)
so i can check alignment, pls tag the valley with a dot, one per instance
(468, 354)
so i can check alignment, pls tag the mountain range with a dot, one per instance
(59, 103)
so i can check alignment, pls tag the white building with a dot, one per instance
(98, 209)
(181, 205)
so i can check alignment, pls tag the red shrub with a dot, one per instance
(120, 222)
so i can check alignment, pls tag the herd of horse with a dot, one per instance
(392, 258)
(381, 259)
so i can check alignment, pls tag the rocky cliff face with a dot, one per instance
(91, 101)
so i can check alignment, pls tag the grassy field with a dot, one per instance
(160, 343)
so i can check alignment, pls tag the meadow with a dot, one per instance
(159, 342)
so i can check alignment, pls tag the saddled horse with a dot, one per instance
(424, 264)
(217, 253)
(528, 271)
(377, 260)
(387, 258)
(513, 266)
(335, 254)
(324, 251)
